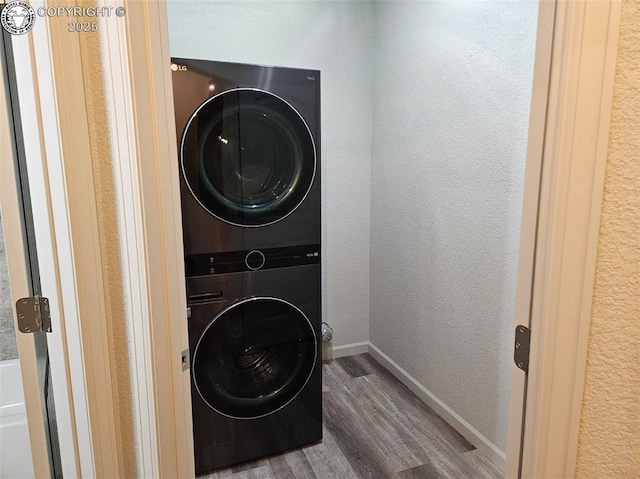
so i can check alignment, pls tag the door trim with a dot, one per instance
(16, 255)
(53, 110)
(41, 169)
(136, 63)
(585, 40)
(529, 223)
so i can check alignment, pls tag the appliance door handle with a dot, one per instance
(206, 297)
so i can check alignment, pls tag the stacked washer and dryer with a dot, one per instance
(248, 140)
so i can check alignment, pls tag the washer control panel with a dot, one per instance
(255, 260)
(251, 260)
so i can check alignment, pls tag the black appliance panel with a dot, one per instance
(197, 81)
(251, 260)
(219, 440)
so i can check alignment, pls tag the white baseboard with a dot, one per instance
(334, 352)
(485, 446)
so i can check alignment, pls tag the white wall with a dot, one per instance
(424, 121)
(451, 105)
(337, 39)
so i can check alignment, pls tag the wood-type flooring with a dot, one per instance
(374, 427)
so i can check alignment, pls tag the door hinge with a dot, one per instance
(33, 315)
(186, 359)
(521, 348)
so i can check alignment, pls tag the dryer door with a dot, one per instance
(248, 157)
(254, 357)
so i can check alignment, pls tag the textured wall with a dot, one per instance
(110, 250)
(609, 443)
(335, 38)
(451, 110)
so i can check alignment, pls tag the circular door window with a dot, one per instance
(254, 358)
(248, 157)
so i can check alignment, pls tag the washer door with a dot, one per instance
(254, 358)
(248, 157)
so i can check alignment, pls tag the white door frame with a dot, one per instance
(20, 284)
(572, 97)
(529, 221)
(54, 113)
(52, 234)
(139, 97)
(140, 102)
(585, 44)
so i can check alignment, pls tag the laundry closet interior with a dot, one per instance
(422, 140)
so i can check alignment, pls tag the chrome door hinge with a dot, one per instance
(33, 315)
(186, 359)
(521, 348)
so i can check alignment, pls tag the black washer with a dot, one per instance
(254, 358)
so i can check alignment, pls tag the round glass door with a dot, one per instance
(254, 358)
(248, 157)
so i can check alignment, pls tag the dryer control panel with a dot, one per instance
(251, 260)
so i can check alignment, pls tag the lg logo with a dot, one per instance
(178, 68)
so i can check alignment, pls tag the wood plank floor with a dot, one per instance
(374, 427)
